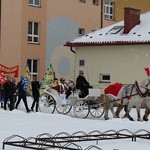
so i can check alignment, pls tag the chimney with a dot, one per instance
(131, 19)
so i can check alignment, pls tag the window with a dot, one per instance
(81, 63)
(115, 30)
(33, 32)
(95, 2)
(33, 66)
(34, 2)
(82, 1)
(104, 77)
(109, 10)
(81, 31)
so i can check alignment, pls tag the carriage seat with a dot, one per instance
(94, 92)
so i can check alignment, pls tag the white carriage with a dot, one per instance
(50, 101)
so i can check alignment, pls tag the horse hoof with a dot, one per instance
(117, 116)
(106, 118)
(131, 119)
(139, 119)
(145, 118)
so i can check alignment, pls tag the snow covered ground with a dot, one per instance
(32, 124)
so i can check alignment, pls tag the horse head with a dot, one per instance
(144, 87)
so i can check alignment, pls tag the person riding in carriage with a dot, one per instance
(82, 84)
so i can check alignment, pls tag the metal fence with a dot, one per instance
(64, 140)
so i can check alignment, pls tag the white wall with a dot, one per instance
(125, 64)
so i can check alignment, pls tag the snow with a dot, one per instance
(140, 33)
(34, 123)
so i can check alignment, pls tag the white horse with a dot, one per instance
(130, 96)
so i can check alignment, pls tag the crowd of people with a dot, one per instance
(14, 93)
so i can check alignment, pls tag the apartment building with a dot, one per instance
(34, 31)
(23, 30)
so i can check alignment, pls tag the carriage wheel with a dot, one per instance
(81, 109)
(97, 110)
(47, 103)
(63, 109)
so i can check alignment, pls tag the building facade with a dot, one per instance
(117, 53)
(23, 30)
(34, 31)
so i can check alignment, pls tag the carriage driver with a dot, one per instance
(82, 84)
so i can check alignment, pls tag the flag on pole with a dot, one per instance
(147, 70)
(28, 76)
(48, 77)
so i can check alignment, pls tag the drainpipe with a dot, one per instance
(102, 3)
(71, 48)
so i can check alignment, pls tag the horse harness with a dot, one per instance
(129, 94)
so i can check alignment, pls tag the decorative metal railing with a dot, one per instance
(64, 140)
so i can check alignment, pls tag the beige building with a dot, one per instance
(34, 31)
(117, 53)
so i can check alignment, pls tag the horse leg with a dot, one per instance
(119, 108)
(138, 113)
(127, 110)
(147, 112)
(106, 114)
(106, 107)
(112, 110)
(128, 115)
(146, 104)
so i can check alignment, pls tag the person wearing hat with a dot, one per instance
(82, 84)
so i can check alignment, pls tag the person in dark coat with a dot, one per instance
(82, 84)
(2, 94)
(15, 93)
(9, 90)
(22, 88)
(35, 93)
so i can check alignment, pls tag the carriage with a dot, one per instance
(51, 102)
(97, 104)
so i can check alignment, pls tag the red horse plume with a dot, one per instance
(147, 70)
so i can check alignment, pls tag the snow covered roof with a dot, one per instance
(113, 35)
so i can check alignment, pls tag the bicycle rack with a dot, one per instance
(64, 140)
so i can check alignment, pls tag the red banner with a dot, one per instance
(3, 79)
(13, 71)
